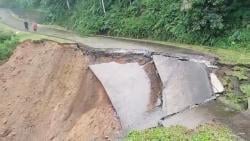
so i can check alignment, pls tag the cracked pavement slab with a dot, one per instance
(128, 88)
(185, 83)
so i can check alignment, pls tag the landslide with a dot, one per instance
(48, 93)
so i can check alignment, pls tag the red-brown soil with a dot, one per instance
(48, 93)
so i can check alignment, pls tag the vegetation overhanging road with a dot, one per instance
(8, 18)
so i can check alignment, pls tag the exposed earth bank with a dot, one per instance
(48, 93)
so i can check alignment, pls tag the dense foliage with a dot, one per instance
(211, 22)
(7, 44)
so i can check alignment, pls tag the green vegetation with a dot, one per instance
(245, 88)
(177, 133)
(217, 27)
(27, 35)
(218, 23)
(237, 102)
(226, 55)
(174, 133)
(8, 42)
(222, 24)
(240, 73)
(212, 133)
(9, 38)
(231, 102)
(237, 87)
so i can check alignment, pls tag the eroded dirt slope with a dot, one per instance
(48, 93)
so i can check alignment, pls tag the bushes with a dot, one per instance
(208, 22)
(87, 17)
(7, 44)
(5, 35)
(239, 38)
(196, 21)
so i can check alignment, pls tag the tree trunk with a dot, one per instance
(103, 7)
(68, 5)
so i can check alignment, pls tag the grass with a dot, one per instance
(26, 35)
(212, 133)
(240, 73)
(22, 36)
(245, 88)
(229, 55)
(226, 55)
(174, 133)
(207, 132)
(233, 101)
(10, 37)
(234, 97)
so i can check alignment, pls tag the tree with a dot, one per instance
(103, 7)
(67, 1)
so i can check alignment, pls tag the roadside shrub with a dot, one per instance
(4, 35)
(206, 22)
(8, 43)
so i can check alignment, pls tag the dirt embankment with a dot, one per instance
(48, 93)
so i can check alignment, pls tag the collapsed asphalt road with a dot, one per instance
(53, 91)
(183, 84)
(49, 92)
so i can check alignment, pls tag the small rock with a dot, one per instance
(5, 133)
(5, 89)
(52, 137)
(5, 121)
(106, 137)
(13, 134)
(4, 80)
(68, 93)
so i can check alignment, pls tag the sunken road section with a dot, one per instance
(53, 91)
